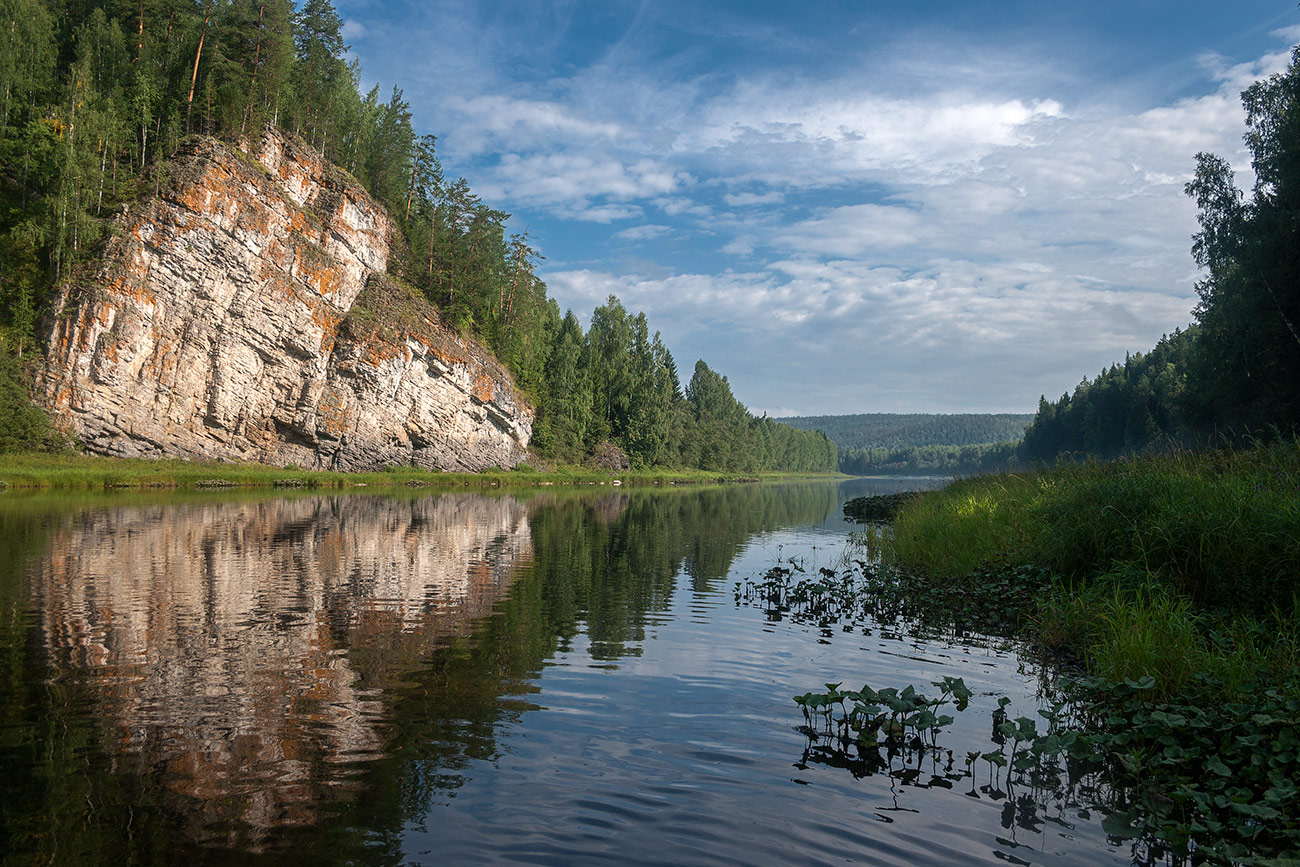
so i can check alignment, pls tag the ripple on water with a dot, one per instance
(466, 679)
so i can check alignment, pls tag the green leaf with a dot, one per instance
(1119, 825)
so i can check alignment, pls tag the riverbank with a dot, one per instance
(1172, 585)
(51, 471)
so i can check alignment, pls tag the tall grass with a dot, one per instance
(1184, 567)
(1222, 528)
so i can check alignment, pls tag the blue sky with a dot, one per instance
(847, 207)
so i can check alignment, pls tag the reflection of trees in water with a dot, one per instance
(216, 640)
(297, 675)
(603, 566)
(609, 569)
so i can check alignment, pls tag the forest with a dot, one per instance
(920, 443)
(1233, 377)
(95, 96)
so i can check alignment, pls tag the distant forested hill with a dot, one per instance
(927, 443)
(900, 430)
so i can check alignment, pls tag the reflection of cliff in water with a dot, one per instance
(221, 673)
(219, 641)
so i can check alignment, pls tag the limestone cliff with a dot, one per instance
(244, 313)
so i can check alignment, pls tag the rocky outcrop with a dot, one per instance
(244, 313)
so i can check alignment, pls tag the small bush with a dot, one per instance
(24, 427)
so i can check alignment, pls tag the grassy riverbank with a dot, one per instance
(88, 472)
(1173, 582)
(1170, 566)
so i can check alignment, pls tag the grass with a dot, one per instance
(1174, 582)
(1170, 566)
(1220, 528)
(87, 472)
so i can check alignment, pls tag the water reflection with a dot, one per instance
(558, 678)
(227, 670)
(214, 640)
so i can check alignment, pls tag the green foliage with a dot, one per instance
(23, 426)
(906, 430)
(920, 443)
(1190, 781)
(1218, 527)
(1245, 372)
(1233, 375)
(89, 98)
(1184, 732)
(1123, 411)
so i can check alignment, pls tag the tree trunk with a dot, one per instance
(194, 77)
(257, 54)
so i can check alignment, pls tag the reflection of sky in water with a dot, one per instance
(683, 750)
(309, 675)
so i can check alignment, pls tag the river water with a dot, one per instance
(549, 677)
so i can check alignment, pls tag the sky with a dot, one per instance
(846, 207)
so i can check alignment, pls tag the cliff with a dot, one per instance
(244, 313)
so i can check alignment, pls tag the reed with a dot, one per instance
(1222, 528)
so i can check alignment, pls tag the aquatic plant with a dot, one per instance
(1185, 783)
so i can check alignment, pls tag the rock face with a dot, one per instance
(244, 313)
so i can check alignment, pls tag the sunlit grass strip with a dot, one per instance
(87, 472)
(1221, 527)
(1183, 567)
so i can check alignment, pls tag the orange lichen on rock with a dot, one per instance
(322, 278)
(483, 389)
(377, 351)
(244, 311)
(332, 416)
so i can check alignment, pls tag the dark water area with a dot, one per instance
(549, 678)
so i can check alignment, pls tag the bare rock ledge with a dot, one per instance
(244, 313)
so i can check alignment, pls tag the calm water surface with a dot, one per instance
(458, 678)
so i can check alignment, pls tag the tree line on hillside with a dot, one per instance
(942, 460)
(94, 96)
(920, 443)
(1235, 374)
(904, 430)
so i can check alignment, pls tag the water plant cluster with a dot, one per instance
(1169, 777)
(873, 594)
(1169, 586)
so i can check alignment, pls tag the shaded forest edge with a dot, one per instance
(1167, 586)
(96, 96)
(1233, 377)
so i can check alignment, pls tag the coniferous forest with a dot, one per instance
(921, 443)
(1234, 375)
(95, 96)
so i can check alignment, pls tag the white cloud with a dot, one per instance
(745, 200)
(902, 233)
(566, 184)
(855, 230)
(494, 121)
(643, 232)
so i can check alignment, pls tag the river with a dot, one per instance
(551, 677)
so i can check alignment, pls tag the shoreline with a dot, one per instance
(44, 472)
